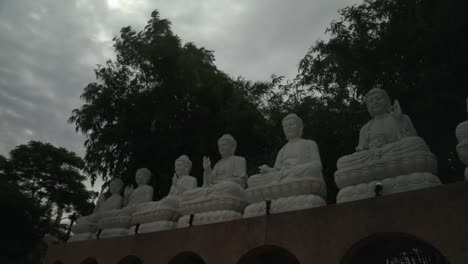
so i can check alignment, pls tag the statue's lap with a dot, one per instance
(305, 171)
(402, 147)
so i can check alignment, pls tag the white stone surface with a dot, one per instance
(294, 203)
(255, 209)
(152, 227)
(414, 181)
(295, 181)
(82, 236)
(135, 199)
(356, 192)
(285, 204)
(462, 136)
(183, 222)
(88, 224)
(212, 204)
(298, 159)
(215, 217)
(113, 232)
(389, 150)
(287, 188)
(223, 186)
(386, 168)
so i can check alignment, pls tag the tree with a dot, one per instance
(23, 232)
(50, 180)
(413, 49)
(160, 99)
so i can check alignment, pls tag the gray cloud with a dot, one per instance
(48, 50)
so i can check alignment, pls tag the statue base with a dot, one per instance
(83, 236)
(212, 203)
(286, 188)
(85, 227)
(115, 222)
(285, 204)
(153, 227)
(386, 168)
(209, 218)
(113, 232)
(402, 183)
(156, 214)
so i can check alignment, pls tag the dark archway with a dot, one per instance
(130, 260)
(187, 258)
(393, 248)
(89, 261)
(268, 254)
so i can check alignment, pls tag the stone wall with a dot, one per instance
(328, 235)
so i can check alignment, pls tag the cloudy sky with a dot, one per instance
(49, 48)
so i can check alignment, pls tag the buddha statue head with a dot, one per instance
(142, 176)
(227, 145)
(116, 185)
(378, 102)
(292, 126)
(182, 166)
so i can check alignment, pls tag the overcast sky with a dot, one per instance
(49, 48)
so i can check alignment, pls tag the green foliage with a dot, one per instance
(413, 49)
(161, 99)
(50, 180)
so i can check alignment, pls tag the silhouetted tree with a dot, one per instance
(161, 99)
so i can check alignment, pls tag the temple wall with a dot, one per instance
(437, 216)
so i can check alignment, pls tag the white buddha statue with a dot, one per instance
(299, 158)
(86, 226)
(295, 182)
(116, 222)
(462, 147)
(227, 178)
(388, 133)
(389, 150)
(104, 204)
(163, 214)
(181, 180)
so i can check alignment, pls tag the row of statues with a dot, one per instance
(389, 155)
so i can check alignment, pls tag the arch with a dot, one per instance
(384, 248)
(187, 258)
(89, 260)
(268, 254)
(130, 259)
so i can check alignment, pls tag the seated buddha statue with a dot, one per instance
(134, 197)
(182, 181)
(388, 136)
(298, 159)
(163, 214)
(104, 204)
(227, 178)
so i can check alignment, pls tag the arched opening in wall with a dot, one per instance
(89, 261)
(130, 259)
(268, 254)
(187, 258)
(392, 248)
